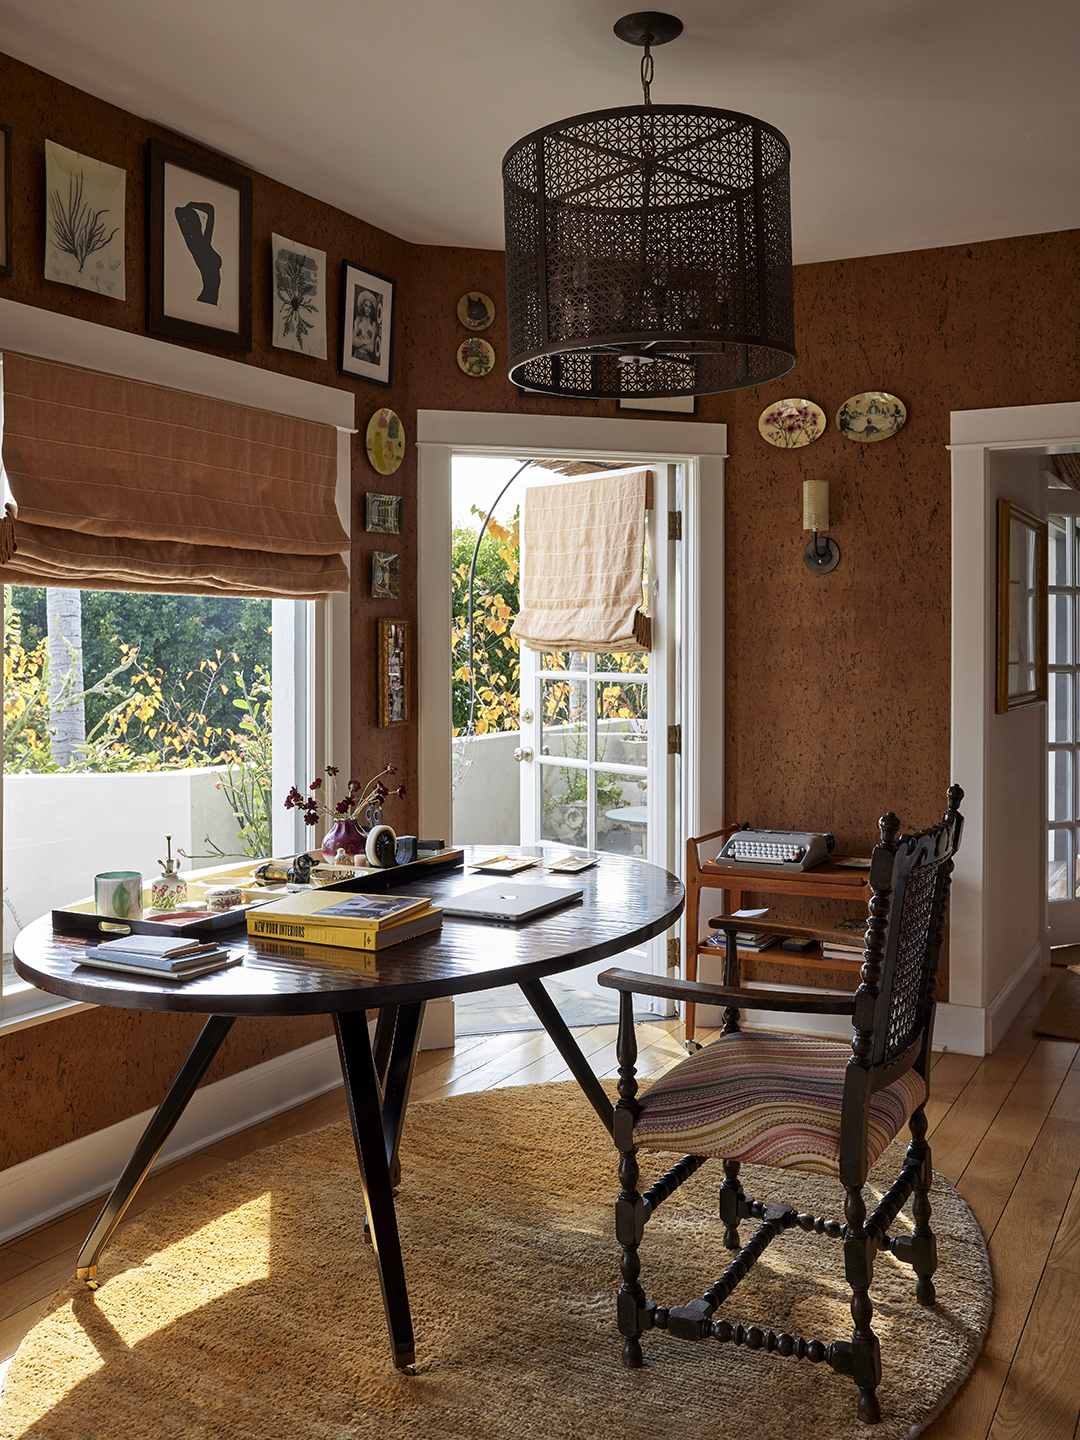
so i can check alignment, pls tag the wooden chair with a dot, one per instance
(816, 1105)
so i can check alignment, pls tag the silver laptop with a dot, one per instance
(507, 901)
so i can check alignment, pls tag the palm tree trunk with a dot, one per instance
(67, 715)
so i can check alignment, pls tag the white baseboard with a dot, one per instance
(961, 1028)
(1012, 997)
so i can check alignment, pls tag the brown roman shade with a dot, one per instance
(582, 555)
(121, 485)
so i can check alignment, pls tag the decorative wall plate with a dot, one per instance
(788, 424)
(873, 415)
(476, 310)
(385, 441)
(383, 514)
(384, 576)
(476, 357)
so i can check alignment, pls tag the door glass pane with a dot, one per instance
(622, 722)
(564, 717)
(564, 810)
(1060, 639)
(1060, 774)
(621, 813)
(1060, 550)
(1060, 713)
(1058, 865)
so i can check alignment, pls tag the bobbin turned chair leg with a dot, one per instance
(859, 1269)
(733, 1205)
(923, 1240)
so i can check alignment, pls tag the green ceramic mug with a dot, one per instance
(119, 893)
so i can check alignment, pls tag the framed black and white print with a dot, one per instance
(5, 200)
(198, 250)
(367, 324)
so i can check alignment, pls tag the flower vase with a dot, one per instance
(347, 835)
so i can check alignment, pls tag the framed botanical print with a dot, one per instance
(85, 204)
(299, 282)
(367, 325)
(393, 672)
(5, 200)
(1021, 608)
(199, 250)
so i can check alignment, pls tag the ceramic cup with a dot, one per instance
(119, 893)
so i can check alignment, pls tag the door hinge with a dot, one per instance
(674, 524)
(674, 739)
(672, 953)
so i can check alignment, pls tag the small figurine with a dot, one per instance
(168, 890)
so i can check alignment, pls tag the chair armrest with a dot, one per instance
(822, 933)
(798, 1002)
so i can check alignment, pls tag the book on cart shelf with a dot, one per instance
(353, 922)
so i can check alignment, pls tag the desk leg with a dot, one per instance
(154, 1137)
(569, 1049)
(373, 1154)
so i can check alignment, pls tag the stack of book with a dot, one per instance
(164, 957)
(356, 922)
(744, 939)
(847, 954)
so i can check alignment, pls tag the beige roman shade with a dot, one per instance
(121, 485)
(582, 554)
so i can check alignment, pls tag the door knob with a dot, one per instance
(523, 752)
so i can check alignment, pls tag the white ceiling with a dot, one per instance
(912, 123)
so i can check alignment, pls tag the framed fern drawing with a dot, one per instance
(84, 222)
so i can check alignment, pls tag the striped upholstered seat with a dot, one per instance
(767, 1100)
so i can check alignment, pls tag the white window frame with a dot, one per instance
(311, 649)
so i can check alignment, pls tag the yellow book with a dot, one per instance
(343, 909)
(301, 929)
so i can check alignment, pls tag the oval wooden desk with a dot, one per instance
(624, 902)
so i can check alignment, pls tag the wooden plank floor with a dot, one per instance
(1005, 1130)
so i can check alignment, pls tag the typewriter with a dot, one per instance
(779, 849)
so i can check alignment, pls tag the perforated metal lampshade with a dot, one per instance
(648, 254)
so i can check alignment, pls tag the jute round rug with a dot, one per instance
(247, 1307)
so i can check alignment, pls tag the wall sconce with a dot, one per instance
(821, 555)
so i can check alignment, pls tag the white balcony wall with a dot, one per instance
(61, 830)
(487, 798)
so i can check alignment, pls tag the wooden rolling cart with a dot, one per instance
(831, 880)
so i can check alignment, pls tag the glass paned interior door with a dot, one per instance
(1063, 731)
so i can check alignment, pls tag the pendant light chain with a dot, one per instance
(647, 71)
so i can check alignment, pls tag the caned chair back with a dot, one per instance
(910, 876)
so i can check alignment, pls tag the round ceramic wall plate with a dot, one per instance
(385, 441)
(476, 310)
(873, 415)
(476, 357)
(787, 424)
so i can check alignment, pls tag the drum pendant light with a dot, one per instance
(648, 248)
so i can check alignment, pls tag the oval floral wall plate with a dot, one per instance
(476, 357)
(476, 310)
(385, 440)
(791, 423)
(873, 415)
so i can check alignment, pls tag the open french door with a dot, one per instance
(598, 768)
